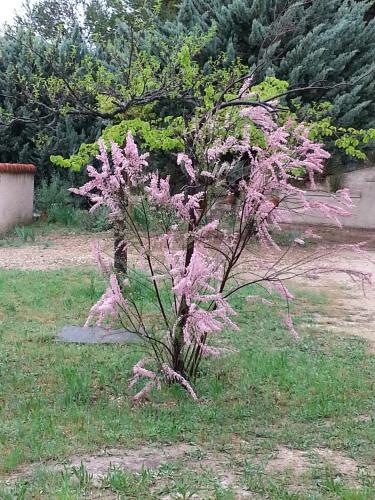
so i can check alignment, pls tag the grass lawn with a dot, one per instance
(269, 394)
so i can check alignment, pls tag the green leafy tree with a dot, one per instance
(50, 17)
(98, 19)
(59, 90)
(166, 134)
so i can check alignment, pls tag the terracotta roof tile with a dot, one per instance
(17, 168)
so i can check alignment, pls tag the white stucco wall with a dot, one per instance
(361, 184)
(16, 198)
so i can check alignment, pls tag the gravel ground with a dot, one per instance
(54, 252)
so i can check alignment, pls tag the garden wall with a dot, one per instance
(361, 184)
(16, 194)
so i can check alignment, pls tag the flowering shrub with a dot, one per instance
(192, 267)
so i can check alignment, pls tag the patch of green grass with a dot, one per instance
(32, 235)
(68, 484)
(25, 233)
(325, 486)
(61, 399)
(18, 236)
(65, 221)
(123, 482)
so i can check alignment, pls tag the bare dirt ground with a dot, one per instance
(300, 461)
(54, 251)
(221, 465)
(351, 308)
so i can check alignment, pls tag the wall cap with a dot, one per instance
(17, 168)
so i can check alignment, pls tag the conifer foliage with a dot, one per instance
(303, 42)
(30, 130)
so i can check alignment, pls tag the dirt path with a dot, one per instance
(351, 307)
(185, 457)
(54, 252)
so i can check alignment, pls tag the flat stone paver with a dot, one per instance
(96, 335)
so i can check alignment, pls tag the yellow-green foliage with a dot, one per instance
(166, 134)
(269, 88)
(349, 140)
(151, 138)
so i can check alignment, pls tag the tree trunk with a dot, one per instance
(120, 250)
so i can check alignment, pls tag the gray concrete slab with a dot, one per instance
(95, 335)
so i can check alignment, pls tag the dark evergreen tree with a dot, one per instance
(31, 131)
(331, 43)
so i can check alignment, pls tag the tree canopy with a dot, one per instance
(73, 71)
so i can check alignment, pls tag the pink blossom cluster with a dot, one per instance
(109, 187)
(267, 192)
(109, 306)
(208, 312)
(183, 158)
(159, 194)
(103, 264)
(139, 372)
